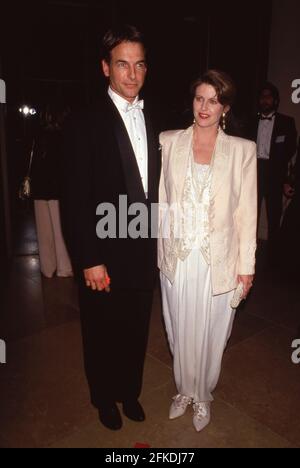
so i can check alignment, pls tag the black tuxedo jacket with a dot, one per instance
(99, 165)
(283, 146)
(297, 177)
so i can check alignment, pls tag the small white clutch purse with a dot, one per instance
(238, 296)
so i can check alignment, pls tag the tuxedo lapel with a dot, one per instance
(275, 134)
(153, 162)
(132, 176)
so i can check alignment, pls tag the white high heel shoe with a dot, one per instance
(179, 406)
(201, 415)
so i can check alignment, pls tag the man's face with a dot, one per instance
(267, 102)
(126, 70)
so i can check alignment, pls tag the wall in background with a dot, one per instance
(284, 61)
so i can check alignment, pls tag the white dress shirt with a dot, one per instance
(134, 121)
(264, 137)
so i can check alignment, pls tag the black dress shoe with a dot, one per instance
(110, 417)
(134, 411)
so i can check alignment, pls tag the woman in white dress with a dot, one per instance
(207, 241)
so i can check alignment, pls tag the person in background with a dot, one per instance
(45, 176)
(276, 138)
(290, 230)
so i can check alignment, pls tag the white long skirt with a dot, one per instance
(52, 248)
(198, 326)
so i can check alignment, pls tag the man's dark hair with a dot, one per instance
(116, 36)
(273, 90)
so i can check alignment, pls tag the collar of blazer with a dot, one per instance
(220, 160)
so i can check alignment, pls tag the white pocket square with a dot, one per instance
(280, 139)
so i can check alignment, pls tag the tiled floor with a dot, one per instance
(44, 398)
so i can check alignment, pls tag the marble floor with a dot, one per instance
(44, 399)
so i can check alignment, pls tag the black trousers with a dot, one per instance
(272, 191)
(115, 330)
(289, 238)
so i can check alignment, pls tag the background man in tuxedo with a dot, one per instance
(276, 138)
(290, 230)
(112, 151)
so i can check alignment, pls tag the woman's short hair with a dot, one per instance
(115, 37)
(221, 82)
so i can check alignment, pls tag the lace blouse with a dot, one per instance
(194, 212)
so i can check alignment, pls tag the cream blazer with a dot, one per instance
(233, 205)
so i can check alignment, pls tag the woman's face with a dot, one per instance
(207, 108)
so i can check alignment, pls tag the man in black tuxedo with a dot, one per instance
(276, 138)
(111, 162)
(290, 230)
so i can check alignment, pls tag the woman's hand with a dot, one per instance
(97, 278)
(247, 281)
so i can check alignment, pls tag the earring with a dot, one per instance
(224, 121)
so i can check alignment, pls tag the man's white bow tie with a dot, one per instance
(137, 105)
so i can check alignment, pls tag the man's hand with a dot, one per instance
(247, 281)
(97, 278)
